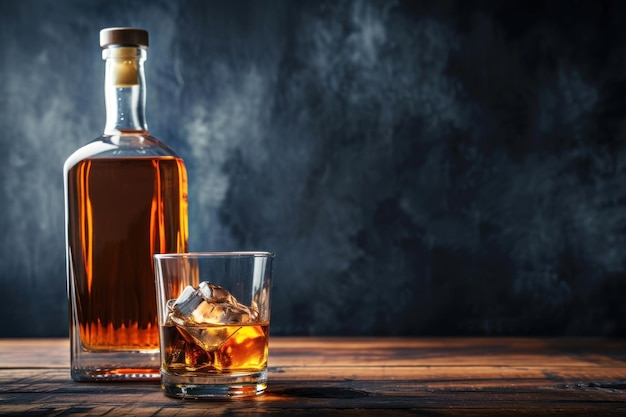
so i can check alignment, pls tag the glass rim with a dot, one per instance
(230, 254)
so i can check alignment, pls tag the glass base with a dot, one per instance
(214, 386)
(115, 366)
(117, 374)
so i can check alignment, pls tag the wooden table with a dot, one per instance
(351, 377)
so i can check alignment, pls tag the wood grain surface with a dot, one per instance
(352, 377)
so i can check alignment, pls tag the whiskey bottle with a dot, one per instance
(125, 200)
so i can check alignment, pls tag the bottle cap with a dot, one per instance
(124, 36)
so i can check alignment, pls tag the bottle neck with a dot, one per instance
(125, 91)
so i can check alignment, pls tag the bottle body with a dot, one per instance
(126, 200)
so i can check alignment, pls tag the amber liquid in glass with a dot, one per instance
(208, 349)
(121, 211)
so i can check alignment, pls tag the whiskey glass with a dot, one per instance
(214, 316)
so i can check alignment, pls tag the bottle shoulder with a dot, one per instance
(121, 146)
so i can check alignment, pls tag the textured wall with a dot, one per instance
(419, 167)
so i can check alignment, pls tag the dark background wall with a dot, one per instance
(419, 167)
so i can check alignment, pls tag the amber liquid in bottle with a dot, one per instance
(121, 212)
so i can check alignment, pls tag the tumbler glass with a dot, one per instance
(214, 317)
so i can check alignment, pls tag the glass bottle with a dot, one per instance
(125, 200)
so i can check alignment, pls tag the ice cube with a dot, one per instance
(187, 301)
(215, 293)
(210, 304)
(208, 337)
